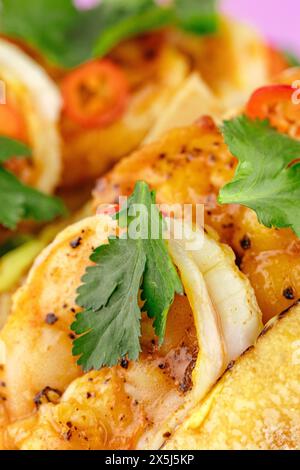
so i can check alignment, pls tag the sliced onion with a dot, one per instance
(41, 105)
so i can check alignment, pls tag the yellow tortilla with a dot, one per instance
(256, 404)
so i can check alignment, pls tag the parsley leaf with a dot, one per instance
(110, 323)
(267, 178)
(18, 201)
(68, 36)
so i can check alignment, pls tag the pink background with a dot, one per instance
(278, 20)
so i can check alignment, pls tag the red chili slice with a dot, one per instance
(279, 104)
(95, 94)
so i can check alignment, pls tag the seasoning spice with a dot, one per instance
(245, 242)
(288, 293)
(76, 243)
(51, 318)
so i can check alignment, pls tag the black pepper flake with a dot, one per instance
(73, 310)
(51, 318)
(2, 384)
(288, 293)
(69, 424)
(166, 435)
(162, 366)
(76, 243)
(47, 395)
(72, 336)
(67, 435)
(88, 395)
(124, 363)
(186, 384)
(245, 242)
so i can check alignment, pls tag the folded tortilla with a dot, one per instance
(255, 405)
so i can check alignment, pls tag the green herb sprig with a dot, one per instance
(69, 37)
(18, 201)
(267, 178)
(110, 324)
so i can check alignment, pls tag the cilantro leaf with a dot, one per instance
(267, 178)
(68, 36)
(146, 16)
(112, 320)
(128, 19)
(10, 147)
(160, 276)
(110, 323)
(47, 25)
(198, 17)
(18, 201)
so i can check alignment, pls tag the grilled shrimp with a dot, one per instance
(36, 341)
(189, 166)
(127, 404)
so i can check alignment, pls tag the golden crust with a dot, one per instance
(256, 403)
(189, 166)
